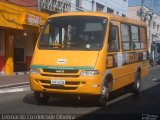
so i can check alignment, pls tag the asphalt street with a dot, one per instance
(124, 105)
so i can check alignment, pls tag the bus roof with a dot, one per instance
(101, 14)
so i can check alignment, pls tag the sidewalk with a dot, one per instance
(12, 81)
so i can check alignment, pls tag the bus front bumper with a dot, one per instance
(90, 85)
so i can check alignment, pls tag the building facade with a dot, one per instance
(47, 6)
(153, 23)
(118, 7)
(19, 30)
(20, 23)
(54, 6)
(30, 4)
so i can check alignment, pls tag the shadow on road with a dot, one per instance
(131, 108)
(128, 108)
(59, 101)
(72, 101)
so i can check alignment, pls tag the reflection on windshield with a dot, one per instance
(73, 33)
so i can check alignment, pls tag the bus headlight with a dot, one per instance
(34, 71)
(90, 73)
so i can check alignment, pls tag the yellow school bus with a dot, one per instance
(88, 53)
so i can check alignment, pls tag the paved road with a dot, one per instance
(146, 105)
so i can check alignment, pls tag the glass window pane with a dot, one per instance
(74, 33)
(126, 42)
(113, 42)
(134, 31)
(126, 46)
(125, 32)
(143, 38)
(143, 45)
(136, 45)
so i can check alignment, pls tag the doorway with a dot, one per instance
(2, 50)
(23, 47)
(19, 50)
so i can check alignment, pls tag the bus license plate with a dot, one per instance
(58, 82)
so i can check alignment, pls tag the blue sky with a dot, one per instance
(134, 2)
(146, 3)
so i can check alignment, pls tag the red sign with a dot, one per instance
(31, 19)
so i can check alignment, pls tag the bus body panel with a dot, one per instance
(77, 60)
(65, 58)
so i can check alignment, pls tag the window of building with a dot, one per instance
(143, 38)
(138, 13)
(123, 15)
(154, 25)
(126, 41)
(2, 49)
(99, 7)
(79, 5)
(109, 10)
(158, 28)
(113, 40)
(2, 41)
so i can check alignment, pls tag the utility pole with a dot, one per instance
(92, 5)
(142, 4)
(151, 14)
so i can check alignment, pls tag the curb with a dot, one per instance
(14, 85)
(15, 73)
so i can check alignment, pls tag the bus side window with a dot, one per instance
(143, 38)
(113, 39)
(126, 40)
(136, 45)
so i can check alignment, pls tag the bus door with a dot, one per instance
(114, 53)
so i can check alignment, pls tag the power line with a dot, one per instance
(141, 11)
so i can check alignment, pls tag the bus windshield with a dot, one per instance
(73, 33)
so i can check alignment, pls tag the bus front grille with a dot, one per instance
(52, 75)
(59, 87)
(60, 71)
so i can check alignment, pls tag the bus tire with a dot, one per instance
(41, 97)
(137, 83)
(103, 98)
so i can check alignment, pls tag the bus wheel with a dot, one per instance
(137, 83)
(41, 97)
(103, 98)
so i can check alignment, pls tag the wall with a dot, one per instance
(2, 50)
(29, 48)
(31, 4)
(11, 15)
(11, 19)
(152, 33)
(119, 6)
(132, 13)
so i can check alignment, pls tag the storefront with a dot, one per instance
(19, 30)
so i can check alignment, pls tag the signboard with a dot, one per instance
(54, 5)
(30, 19)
